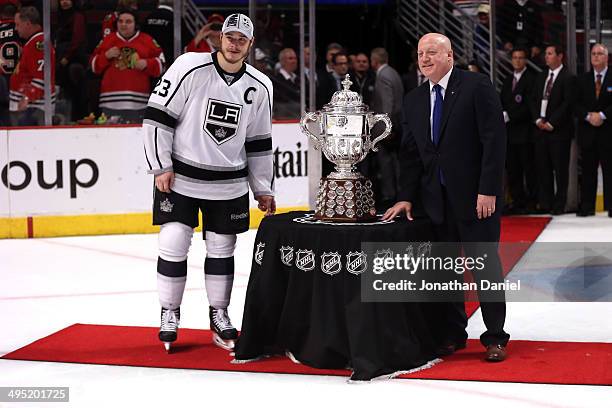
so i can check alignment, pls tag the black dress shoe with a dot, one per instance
(496, 353)
(585, 213)
(610, 213)
(448, 348)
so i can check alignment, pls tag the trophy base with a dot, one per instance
(345, 200)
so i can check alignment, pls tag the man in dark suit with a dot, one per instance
(551, 109)
(453, 154)
(520, 165)
(286, 86)
(594, 111)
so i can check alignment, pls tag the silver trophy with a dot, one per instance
(344, 136)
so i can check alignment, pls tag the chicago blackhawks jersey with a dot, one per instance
(10, 47)
(211, 128)
(28, 77)
(123, 86)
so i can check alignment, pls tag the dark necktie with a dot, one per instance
(597, 86)
(549, 85)
(514, 82)
(436, 122)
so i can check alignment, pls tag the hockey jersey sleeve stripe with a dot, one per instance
(206, 175)
(267, 91)
(147, 157)
(155, 116)
(255, 146)
(259, 137)
(163, 109)
(183, 78)
(157, 151)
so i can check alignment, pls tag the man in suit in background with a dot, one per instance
(520, 164)
(551, 109)
(453, 154)
(286, 86)
(594, 111)
(387, 98)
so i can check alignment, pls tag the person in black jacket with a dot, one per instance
(452, 156)
(551, 109)
(160, 25)
(520, 166)
(594, 112)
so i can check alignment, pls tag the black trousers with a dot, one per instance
(522, 177)
(591, 155)
(448, 319)
(552, 158)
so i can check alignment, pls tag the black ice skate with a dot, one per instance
(170, 319)
(224, 334)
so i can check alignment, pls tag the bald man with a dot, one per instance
(452, 161)
(593, 109)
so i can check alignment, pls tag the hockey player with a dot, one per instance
(10, 50)
(127, 60)
(207, 135)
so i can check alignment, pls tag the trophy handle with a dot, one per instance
(311, 117)
(372, 120)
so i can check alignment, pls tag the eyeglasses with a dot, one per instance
(237, 40)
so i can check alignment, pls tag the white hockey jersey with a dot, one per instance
(217, 138)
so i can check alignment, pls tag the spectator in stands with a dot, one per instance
(331, 82)
(127, 61)
(208, 38)
(10, 45)
(27, 81)
(286, 86)
(520, 165)
(594, 113)
(551, 110)
(414, 77)
(332, 49)
(520, 24)
(70, 46)
(307, 70)
(363, 77)
(160, 25)
(263, 63)
(109, 24)
(387, 98)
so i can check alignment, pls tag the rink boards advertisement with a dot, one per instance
(94, 179)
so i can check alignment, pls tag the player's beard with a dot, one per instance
(233, 58)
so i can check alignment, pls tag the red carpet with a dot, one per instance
(521, 231)
(529, 362)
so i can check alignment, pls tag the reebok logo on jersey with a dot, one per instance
(222, 120)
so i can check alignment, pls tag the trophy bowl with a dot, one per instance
(344, 136)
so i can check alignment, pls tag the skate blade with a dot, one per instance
(168, 347)
(224, 344)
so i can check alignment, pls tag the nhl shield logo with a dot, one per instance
(286, 255)
(259, 253)
(331, 263)
(305, 260)
(383, 254)
(222, 119)
(356, 262)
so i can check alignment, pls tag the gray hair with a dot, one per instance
(380, 54)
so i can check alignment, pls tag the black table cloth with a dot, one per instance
(302, 300)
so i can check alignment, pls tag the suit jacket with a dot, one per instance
(388, 94)
(560, 102)
(516, 104)
(326, 87)
(286, 97)
(586, 102)
(471, 152)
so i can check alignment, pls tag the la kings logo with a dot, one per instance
(222, 119)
